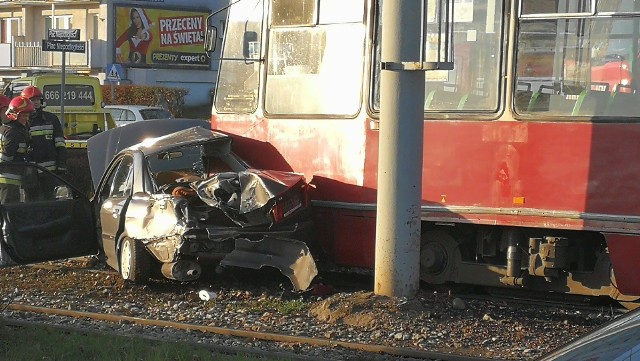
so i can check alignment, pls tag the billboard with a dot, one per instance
(159, 38)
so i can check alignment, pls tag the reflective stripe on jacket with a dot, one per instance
(10, 178)
(14, 146)
(48, 141)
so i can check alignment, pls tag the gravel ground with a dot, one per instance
(260, 301)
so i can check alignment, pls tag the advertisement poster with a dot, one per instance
(160, 38)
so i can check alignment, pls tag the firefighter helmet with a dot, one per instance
(19, 105)
(31, 92)
(4, 101)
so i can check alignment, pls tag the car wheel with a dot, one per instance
(135, 261)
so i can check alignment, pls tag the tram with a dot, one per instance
(531, 141)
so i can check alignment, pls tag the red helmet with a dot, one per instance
(31, 92)
(4, 101)
(19, 105)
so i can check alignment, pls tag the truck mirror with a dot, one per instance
(251, 45)
(210, 38)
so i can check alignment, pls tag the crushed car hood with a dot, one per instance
(102, 147)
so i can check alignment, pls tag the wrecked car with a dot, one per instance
(177, 202)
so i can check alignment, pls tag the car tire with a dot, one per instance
(135, 261)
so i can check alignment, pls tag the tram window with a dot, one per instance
(294, 12)
(579, 68)
(315, 70)
(618, 6)
(533, 8)
(473, 84)
(340, 11)
(237, 88)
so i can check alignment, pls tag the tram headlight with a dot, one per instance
(624, 82)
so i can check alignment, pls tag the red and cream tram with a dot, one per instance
(531, 176)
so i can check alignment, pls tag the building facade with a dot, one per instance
(156, 42)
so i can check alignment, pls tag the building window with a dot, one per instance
(94, 27)
(11, 27)
(60, 22)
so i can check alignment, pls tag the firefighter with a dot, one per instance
(46, 134)
(47, 140)
(4, 104)
(15, 145)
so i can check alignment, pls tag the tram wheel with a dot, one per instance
(439, 257)
(135, 261)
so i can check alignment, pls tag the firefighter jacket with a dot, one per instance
(47, 140)
(15, 146)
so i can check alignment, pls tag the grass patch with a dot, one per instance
(28, 343)
(284, 307)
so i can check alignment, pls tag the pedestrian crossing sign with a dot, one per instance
(114, 72)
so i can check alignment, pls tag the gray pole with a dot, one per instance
(397, 257)
(62, 89)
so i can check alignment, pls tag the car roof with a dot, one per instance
(102, 147)
(191, 136)
(131, 107)
(619, 337)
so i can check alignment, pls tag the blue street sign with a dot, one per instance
(114, 72)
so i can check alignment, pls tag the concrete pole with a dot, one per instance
(397, 260)
(63, 70)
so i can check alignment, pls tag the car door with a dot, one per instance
(42, 217)
(113, 197)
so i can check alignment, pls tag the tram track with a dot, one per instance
(345, 282)
(247, 334)
(255, 308)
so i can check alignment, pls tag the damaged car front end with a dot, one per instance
(185, 200)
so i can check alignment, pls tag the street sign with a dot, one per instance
(63, 34)
(114, 72)
(64, 46)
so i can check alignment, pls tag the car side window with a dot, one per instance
(119, 182)
(122, 180)
(25, 183)
(116, 114)
(129, 116)
(155, 114)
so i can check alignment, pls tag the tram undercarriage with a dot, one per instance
(573, 262)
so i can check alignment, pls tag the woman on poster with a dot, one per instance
(138, 35)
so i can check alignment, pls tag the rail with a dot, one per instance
(253, 335)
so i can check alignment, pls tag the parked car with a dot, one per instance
(176, 202)
(127, 114)
(618, 339)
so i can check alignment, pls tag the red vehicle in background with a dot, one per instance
(615, 72)
(529, 180)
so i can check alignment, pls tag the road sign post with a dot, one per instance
(63, 40)
(114, 74)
